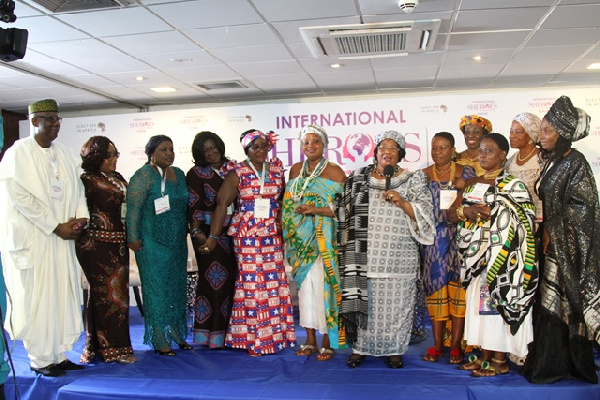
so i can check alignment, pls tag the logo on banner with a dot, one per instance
(435, 109)
(359, 147)
(194, 121)
(592, 102)
(482, 106)
(541, 105)
(238, 119)
(91, 128)
(141, 125)
(139, 153)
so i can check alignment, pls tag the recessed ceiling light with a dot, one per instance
(181, 60)
(477, 58)
(163, 89)
(336, 65)
(594, 66)
(139, 78)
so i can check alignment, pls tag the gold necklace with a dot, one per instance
(493, 174)
(452, 170)
(471, 159)
(396, 169)
(526, 157)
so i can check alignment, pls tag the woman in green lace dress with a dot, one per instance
(157, 200)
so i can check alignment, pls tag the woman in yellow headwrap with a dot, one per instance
(473, 127)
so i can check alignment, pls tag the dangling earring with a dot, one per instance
(152, 160)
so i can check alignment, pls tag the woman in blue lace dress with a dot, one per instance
(157, 200)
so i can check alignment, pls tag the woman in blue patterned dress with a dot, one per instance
(440, 261)
(157, 200)
(262, 319)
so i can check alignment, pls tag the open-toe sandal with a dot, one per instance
(306, 350)
(488, 370)
(456, 356)
(432, 354)
(325, 354)
(473, 364)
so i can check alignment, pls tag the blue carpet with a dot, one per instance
(232, 374)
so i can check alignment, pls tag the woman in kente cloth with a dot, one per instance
(567, 313)
(499, 271)
(310, 235)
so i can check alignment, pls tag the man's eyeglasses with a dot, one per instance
(257, 148)
(51, 119)
(111, 155)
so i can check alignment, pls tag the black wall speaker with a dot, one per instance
(13, 43)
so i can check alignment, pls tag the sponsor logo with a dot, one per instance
(541, 105)
(238, 119)
(482, 106)
(194, 121)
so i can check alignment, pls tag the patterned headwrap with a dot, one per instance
(396, 136)
(317, 130)
(531, 123)
(475, 120)
(270, 137)
(568, 121)
(43, 106)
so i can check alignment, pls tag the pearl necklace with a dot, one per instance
(297, 196)
(452, 170)
(527, 156)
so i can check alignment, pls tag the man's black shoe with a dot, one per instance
(51, 370)
(68, 365)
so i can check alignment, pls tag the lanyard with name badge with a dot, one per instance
(161, 204)
(262, 207)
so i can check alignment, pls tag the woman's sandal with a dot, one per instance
(306, 350)
(325, 354)
(456, 356)
(355, 360)
(487, 369)
(473, 364)
(432, 354)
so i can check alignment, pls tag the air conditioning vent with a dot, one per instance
(222, 85)
(386, 39)
(69, 6)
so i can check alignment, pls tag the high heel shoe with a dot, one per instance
(354, 361)
(169, 352)
(185, 346)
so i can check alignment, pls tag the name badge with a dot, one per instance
(161, 205)
(447, 197)
(57, 188)
(262, 207)
(478, 192)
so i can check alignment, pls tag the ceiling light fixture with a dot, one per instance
(336, 65)
(594, 66)
(477, 58)
(163, 89)
(140, 78)
(182, 60)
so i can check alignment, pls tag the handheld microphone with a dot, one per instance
(388, 171)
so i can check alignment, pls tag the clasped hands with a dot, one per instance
(477, 212)
(70, 229)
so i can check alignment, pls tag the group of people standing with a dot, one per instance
(508, 251)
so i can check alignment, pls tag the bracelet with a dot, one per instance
(213, 237)
(460, 213)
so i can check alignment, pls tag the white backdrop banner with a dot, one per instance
(351, 125)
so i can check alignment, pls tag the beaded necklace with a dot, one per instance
(396, 169)
(304, 174)
(452, 172)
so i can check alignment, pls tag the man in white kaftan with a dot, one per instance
(43, 208)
